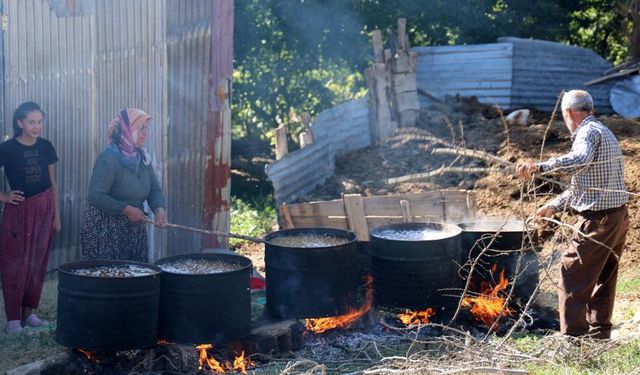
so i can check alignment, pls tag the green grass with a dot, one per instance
(622, 359)
(254, 217)
(629, 286)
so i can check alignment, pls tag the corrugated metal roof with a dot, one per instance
(512, 73)
(482, 70)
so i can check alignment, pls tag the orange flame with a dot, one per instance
(320, 325)
(410, 318)
(89, 355)
(240, 363)
(164, 342)
(486, 307)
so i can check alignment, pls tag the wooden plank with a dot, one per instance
(355, 216)
(402, 34)
(390, 205)
(455, 205)
(375, 222)
(286, 217)
(282, 149)
(325, 208)
(406, 210)
(305, 139)
(376, 37)
(320, 222)
(622, 73)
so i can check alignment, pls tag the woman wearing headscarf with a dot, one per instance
(114, 223)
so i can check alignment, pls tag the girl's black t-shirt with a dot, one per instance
(27, 167)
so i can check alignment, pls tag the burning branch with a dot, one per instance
(320, 325)
(488, 305)
(240, 363)
(411, 318)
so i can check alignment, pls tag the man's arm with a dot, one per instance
(561, 202)
(582, 153)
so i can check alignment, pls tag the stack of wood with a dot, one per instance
(393, 92)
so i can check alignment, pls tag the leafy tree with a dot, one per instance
(291, 57)
(604, 26)
(308, 55)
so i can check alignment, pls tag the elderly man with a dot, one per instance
(589, 267)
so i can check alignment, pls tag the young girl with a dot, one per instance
(31, 215)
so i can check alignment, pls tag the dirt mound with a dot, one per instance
(468, 123)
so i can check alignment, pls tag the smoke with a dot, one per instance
(328, 29)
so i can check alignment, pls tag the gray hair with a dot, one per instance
(577, 100)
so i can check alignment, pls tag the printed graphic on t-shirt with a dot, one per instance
(32, 169)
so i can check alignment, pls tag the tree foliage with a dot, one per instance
(308, 55)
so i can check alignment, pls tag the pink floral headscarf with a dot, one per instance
(128, 122)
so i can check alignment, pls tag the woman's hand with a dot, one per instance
(12, 197)
(161, 218)
(134, 214)
(57, 223)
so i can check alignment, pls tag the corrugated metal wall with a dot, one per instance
(48, 60)
(130, 68)
(542, 69)
(189, 46)
(482, 70)
(82, 67)
(340, 129)
(513, 73)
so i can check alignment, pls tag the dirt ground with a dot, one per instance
(466, 122)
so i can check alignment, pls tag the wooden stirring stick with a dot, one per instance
(211, 232)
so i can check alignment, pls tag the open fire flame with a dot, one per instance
(487, 306)
(89, 355)
(320, 325)
(240, 363)
(410, 318)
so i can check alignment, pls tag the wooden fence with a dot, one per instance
(361, 214)
(335, 131)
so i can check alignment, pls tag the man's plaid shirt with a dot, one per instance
(595, 161)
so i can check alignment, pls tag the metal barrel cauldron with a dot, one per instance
(205, 308)
(495, 234)
(311, 282)
(107, 313)
(412, 274)
(500, 245)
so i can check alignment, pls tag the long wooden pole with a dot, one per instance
(211, 232)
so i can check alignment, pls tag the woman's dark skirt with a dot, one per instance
(106, 236)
